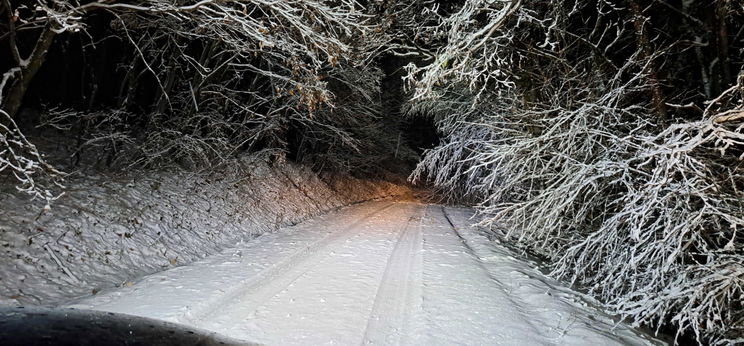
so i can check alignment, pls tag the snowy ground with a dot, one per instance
(386, 272)
(108, 230)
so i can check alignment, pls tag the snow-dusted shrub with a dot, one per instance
(560, 134)
(21, 161)
(239, 75)
(222, 76)
(669, 247)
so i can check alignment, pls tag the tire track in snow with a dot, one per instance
(372, 275)
(326, 303)
(514, 301)
(527, 290)
(399, 294)
(273, 279)
(462, 302)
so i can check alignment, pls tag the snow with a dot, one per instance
(384, 272)
(109, 230)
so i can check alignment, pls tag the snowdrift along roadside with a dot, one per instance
(106, 231)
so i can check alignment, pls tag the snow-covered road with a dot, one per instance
(380, 273)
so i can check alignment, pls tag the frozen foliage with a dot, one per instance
(203, 81)
(561, 135)
(247, 72)
(20, 159)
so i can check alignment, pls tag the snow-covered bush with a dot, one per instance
(560, 134)
(218, 78)
(21, 161)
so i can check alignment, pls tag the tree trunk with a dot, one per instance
(723, 44)
(29, 68)
(644, 44)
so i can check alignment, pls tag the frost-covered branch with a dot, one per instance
(552, 124)
(21, 160)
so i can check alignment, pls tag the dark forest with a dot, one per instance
(605, 137)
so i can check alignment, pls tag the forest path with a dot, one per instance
(377, 273)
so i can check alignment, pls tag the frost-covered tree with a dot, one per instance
(579, 129)
(218, 78)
